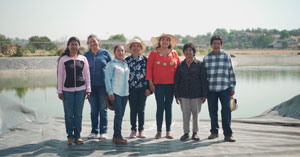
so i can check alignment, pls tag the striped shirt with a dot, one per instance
(220, 73)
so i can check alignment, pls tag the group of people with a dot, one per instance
(95, 75)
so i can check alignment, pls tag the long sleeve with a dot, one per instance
(60, 75)
(204, 82)
(176, 81)
(232, 79)
(108, 78)
(150, 64)
(86, 73)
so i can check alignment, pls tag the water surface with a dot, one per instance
(258, 89)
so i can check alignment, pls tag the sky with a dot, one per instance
(61, 19)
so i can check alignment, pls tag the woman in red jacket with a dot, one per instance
(161, 68)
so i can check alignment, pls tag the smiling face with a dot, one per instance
(164, 42)
(136, 48)
(120, 53)
(93, 44)
(216, 46)
(73, 47)
(188, 53)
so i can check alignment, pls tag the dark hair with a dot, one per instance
(170, 46)
(216, 37)
(92, 36)
(189, 45)
(119, 45)
(67, 51)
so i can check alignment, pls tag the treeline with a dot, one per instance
(43, 45)
(233, 39)
(243, 39)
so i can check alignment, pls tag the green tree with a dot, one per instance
(179, 37)
(187, 39)
(284, 34)
(42, 43)
(228, 45)
(222, 32)
(117, 37)
(295, 32)
(262, 41)
(4, 40)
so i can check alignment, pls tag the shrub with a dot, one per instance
(179, 51)
(20, 51)
(59, 51)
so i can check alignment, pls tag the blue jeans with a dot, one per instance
(137, 102)
(164, 94)
(212, 101)
(119, 105)
(73, 106)
(98, 109)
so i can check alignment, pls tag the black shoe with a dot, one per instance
(195, 137)
(184, 137)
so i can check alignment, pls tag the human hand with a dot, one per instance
(87, 95)
(60, 96)
(203, 99)
(111, 98)
(147, 92)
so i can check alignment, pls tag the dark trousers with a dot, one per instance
(164, 94)
(137, 102)
(212, 101)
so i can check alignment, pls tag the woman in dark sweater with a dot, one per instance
(191, 89)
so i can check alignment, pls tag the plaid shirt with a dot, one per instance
(220, 73)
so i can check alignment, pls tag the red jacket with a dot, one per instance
(161, 69)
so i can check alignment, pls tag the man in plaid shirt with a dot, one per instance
(221, 80)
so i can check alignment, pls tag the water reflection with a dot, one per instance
(20, 92)
(30, 80)
(258, 89)
(27, 81)
(264, 73)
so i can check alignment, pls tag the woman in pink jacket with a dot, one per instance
(73, 82)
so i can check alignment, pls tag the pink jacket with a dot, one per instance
(73, 74)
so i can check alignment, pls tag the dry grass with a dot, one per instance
(263, 51)
(40, 53)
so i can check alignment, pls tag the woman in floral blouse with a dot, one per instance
(138, 86)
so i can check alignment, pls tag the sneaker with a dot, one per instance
(132, 134)
(70, 141)
(168, 135)
(141, 134)
(229, 139)
(213, 136)
(158, 135)
(184, 137)
(119, 141)
(195, 137)
(103, 137)
(78, 141)
(93, 136)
